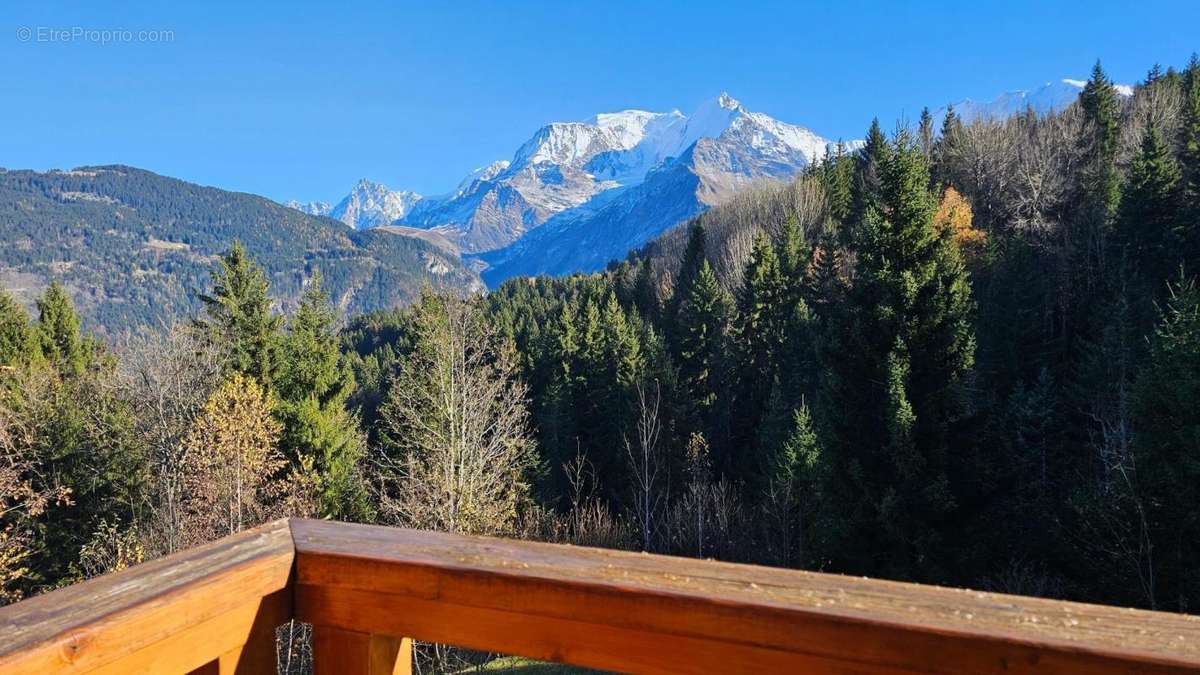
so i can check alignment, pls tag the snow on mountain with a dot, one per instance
(578, 194)
(1051, 96)
(372, 204)
(568, 172)
(311, 208)
(671, 167)
(483, 173)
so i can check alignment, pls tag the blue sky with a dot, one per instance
(299, 100)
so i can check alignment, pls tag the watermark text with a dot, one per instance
(101, 36)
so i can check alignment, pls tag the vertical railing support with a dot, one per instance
(337, 651)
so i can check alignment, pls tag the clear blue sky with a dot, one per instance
(301, 99)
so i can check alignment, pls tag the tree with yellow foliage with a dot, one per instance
(233, 466)
(954, 212)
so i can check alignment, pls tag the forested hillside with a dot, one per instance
(967, 354)
(134, 248)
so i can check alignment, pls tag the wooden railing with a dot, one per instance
(367, 589)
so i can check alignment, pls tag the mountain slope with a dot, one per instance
(135, 247)
(571, 172)
(728, 149)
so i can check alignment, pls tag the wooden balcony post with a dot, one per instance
(337, 651)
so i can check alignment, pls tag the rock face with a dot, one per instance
(593, 179)
(578, 194)
(691, 164)
(371, 205)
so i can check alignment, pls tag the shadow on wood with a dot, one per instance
(368, 590)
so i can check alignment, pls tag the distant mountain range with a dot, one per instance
(1049, 97)
(579, 194)
(135, 248)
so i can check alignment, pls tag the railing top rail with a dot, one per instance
(591, 607)
(832, 616)
(86, 625)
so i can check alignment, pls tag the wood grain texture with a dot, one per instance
(629, 611)
(337, 651)
(214, 609)
(180, 611)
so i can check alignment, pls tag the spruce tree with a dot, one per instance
(239, 315)
(867, 178)
(58, 331)
(1101, 183)
(703, 329)
(1189, 158)
(946, 149)
(313, 384)
(689, 267)
(794, 255)
(1147, 228)
(17, 343)
(925, 134)
(556, 415)
(793, 480)
(645, 292)
(837, 177)
(1167, 453)
(893, 371)
(758, 339)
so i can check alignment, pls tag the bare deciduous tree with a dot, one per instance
(166, 379)
(645, 463)
(22, 501)
(457, 441)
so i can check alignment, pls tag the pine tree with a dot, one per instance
(314, 383)
(239, 315)
(894, 366)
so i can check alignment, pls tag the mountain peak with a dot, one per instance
(724, 100)
(371, 204)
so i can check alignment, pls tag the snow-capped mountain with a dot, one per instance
(578, 194)
(571, 173)
(656, 171)
(311, 208)
(369, 205)
(1051, 96)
